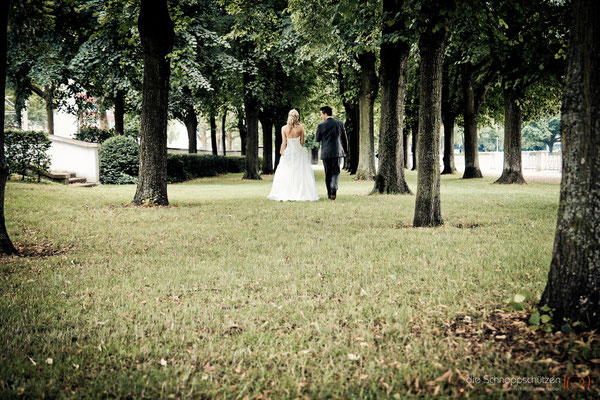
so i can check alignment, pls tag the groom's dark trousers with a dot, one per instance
(332, 174)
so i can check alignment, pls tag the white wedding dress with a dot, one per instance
(294, 178)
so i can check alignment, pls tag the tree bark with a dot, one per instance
(471, 118)
(156, 34)
(513, 119)
(223, 132)
(213, 134)
(267, 128)
(6, 245)
(428, 206)
(190, 121)
(49, 100)
(251, 110)
(119, 113)
(102, 118)
(390, 176)
(573, 288)
(368, 91)
(352, 122)
(405, 148)
(449, 165)
(415, 139)
(280, 120)
(242, 130)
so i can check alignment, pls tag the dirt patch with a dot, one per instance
(40, 250)
(467, 225)
(505, 341)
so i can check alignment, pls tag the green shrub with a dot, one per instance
(119, 160)
(92, 134)
(183, 167)
(26, 151)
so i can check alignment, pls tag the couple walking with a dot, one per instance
(294, 178)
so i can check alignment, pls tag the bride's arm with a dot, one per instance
(283, 141)
(302, 135)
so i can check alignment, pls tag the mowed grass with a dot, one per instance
(227, 294)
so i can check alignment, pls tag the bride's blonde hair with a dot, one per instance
(293, 118)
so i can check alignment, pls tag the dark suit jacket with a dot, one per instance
(332, 135)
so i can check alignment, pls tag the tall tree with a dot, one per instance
(529, 37)
(432, 43)
(451, 108)
(157, 36)
(573, 288)
(394, 53)
(6, 245)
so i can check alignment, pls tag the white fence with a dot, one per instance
(494, 160)
(71, 155)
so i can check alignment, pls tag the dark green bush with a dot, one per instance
(92, 134)
(119, 160)
(26, 151)
(183, 167)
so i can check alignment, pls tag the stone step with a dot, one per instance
(59, 176)
(86, 184)
(77, 180)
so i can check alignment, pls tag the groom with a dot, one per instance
(334, 146)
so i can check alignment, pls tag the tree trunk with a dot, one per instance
(102, 118)
(415, 138)
(156, 34)
(449, 166)
(279, 121)
(191, 125)
(251, 110)
(352, 126)
(49, 100)
(243, 131)
(513, 170)
(213, 134)
(573, 288)
(6, 245)
(368, 91)
(267, 127)
(119, 113)
(471, 118)
(390, 176)
(427, 206)
(223, 132)
(405, 149)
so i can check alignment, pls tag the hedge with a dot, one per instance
(26, 150)
(119, 160)
(183, 167)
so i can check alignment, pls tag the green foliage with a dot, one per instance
(119, 160)
(183, 167)
(310, 142)
(92, 134)
(26, 150)
(542, 319)
(490, 139)
(541, 134)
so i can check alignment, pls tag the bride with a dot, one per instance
(294, 178)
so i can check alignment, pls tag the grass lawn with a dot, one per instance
(225, 294)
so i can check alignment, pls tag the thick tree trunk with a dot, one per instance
(213, 134)
(119, 113)
(223, 132)
(280, 120)
(427, 206)
(368, 91)
(471, 117)
(251, 111)
(191, 125)
(513, 119)
(352, 126)
(415, 140)
(243, 131)
(49, 100)
(156, 33)
(6, 245)
(573, 288)
(449, 166)
(390, 175)
(102, 117)
(267, 128)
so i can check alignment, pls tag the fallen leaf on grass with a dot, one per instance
(49, 361)
(353, 357)
(163, 362)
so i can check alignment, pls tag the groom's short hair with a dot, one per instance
(327, 110)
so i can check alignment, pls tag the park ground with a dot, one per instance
(225, 294)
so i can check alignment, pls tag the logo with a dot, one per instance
(577, 383)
